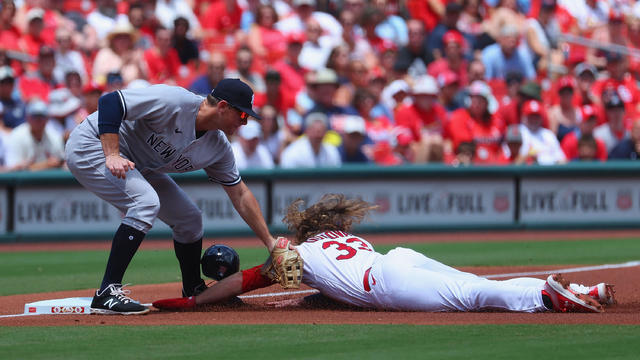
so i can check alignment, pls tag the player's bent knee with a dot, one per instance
(147, 208)
(188, 235)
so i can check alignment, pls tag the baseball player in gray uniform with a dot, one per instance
(123, 152)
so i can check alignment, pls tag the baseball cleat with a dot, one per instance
(114, 300)
(604, 293)
(565, 299)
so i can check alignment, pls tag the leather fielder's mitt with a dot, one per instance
(284, 265)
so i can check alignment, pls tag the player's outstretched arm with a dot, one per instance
(236, 284)
(247, 206)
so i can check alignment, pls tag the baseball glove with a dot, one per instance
(284, 265)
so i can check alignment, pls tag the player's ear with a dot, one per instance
(223, 105)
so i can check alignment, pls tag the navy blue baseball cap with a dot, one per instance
(238, 94)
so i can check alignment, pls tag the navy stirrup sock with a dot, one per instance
(189, 258)
(125, 244)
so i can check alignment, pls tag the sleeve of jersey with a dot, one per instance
(224, 171)
(252, 279)
(111, 112)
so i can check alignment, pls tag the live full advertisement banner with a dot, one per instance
(412, 202)
(415, 202)
(562, 200)
(75, 210)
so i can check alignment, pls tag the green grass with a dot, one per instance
(529, 252)
(29, 272)
(322, 342)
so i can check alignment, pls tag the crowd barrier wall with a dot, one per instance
(52, 206)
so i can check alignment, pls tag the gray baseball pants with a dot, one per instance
(141, 198)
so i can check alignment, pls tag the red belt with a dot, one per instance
(365, 280)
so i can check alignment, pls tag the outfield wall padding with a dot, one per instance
(51, 205)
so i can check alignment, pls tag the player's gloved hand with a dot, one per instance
(284, 265)
(175, 303)
(119, 165)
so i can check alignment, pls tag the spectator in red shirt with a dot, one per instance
(32, 40)
(477, 124)
(564, 117)
(9, 33)
(449, 88)
(511, 112)
(275, 95)
(588, 122)
(453, 59)
(290, 70)
(446, 24)
(267, 43)
(402, 139)
(587, 148)
(585, 75)
(221, 22)
(619, 78)
(162, 60)
(429, 12)
(40, 82)
(426, 119)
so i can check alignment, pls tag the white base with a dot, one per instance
(75, 305)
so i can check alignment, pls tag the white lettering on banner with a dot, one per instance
(71, 211)
(216, 208)
(459, 203)
(50, 210)
(574, 201)
(218, 212)
(415, 202)
(557, 200)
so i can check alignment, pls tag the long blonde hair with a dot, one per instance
(331, 212)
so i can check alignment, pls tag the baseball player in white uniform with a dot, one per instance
(347, 269)
(123, 152)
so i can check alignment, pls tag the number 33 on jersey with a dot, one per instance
(337, 255)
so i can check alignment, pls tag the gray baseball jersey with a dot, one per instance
(158, 135)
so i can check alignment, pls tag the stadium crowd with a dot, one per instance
(482, 82)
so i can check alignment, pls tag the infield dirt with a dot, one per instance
(256, 310)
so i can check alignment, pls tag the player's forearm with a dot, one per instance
(249, 209)
(110, 144)
(221, 290)
(236, 284)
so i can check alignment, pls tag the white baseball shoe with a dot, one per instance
(604, 293)
(565, 299)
